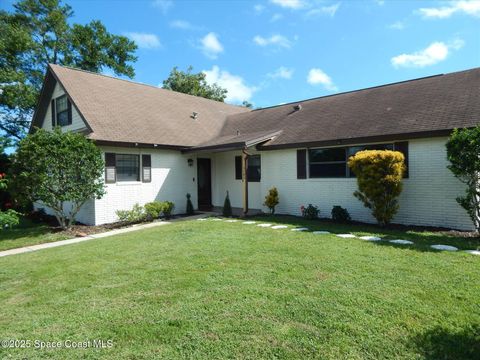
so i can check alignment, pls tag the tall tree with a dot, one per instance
(60, 170)
(463, 153)
(195, 84)
(37, 33)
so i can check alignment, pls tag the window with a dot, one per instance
(63, 111)
(332, 162)
(127, 167)
(254, 168)
(325, 163)
(146, 168)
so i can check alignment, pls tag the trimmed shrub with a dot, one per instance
(137, 214)
(310, 212)
(190, 210)
(153, 209)
(379, 178)
(167, 208)
(272, 200)
(340, 214)
(227, 207)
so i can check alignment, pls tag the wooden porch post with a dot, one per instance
(245, 181)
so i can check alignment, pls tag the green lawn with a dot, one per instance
(28, 233)
(210, 289)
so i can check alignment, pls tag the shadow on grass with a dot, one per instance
(26, 228)
(422, 239)
(445, 344)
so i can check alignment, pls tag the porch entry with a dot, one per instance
(204, 182)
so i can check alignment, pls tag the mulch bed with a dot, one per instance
(400, 227)
(80, 230)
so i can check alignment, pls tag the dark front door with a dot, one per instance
(204, 181)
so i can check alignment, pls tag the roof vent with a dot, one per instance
(194, 115)
(297, 107)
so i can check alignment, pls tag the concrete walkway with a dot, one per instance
(97, 236)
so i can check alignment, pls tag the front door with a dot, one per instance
(204, 181)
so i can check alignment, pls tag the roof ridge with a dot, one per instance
(363, 89)
(138, 83)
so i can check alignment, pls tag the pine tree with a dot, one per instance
(227, 207)
(190, 210)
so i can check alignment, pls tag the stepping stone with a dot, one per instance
(473, 252)
(321, 232)
(264, 225)
(300, 229)
(249, 222)
(370, 238)
(216, 219)
(279, 227)
(202, 219)
(231, 221)
(444, 247)
(346, 236)
(401, 242)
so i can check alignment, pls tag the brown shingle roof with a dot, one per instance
(416, 108)
(123, 111)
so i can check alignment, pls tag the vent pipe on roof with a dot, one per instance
(194, 115)
(297, 107)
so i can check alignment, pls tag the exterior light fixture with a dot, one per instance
(190, 162)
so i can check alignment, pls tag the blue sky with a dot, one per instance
(271, 52)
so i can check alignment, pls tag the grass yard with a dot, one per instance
(29, 233)
(210, 289)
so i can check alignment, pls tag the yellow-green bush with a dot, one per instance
(379, 178)
(272, 200)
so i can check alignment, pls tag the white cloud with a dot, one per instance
(316, 76)
(181, 24)
(397, 25)
(144, 40)
(277, 40)
(281, 73)
(276, 17)
(163, 5)
(258, 8)
(471, 7)
(211, 46)
(290, 4)
(433, 54)
(238, 91)
(324, 10)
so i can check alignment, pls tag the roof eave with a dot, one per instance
(358, 140)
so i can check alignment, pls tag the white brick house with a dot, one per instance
(161, 145)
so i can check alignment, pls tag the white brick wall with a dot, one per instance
(428, 197)
(223, 175)
(172, 179)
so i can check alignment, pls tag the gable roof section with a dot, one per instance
(424, 107)
(122, 111)
(125, 112)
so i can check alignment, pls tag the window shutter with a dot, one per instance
(403, 148)
(110, 169)
(238, 167)
(69, 107)
(301, 164)
(53, 113)
(146, 168)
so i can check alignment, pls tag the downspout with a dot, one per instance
(245, 156)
